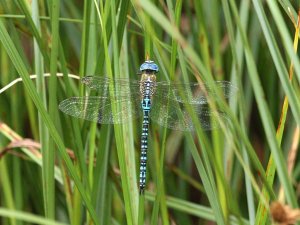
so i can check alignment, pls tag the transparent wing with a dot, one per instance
(178, 116)
(175, 115)
(195, 93)
(121, 86)
(99, 108)
(174, 105)
(127, 96)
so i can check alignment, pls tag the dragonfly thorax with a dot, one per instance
(147, 84)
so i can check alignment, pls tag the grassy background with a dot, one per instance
(56, 168)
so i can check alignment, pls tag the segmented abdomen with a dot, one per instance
(147, 89)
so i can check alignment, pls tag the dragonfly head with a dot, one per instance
(149, 67)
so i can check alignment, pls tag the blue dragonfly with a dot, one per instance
(121, 100)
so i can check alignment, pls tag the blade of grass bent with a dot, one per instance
(13, 137)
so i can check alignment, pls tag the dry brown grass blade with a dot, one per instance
(19, 142)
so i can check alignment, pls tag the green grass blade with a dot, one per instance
(24, 7)
(191, 208)
(7, 189)
(53, 112)
(44, 135)
(85, 36)
(27, 217)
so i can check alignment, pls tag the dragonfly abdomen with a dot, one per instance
(146, 105)
(144, 148)
(147, 92)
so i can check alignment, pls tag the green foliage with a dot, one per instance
(57, 168)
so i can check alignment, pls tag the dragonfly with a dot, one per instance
(120, 100)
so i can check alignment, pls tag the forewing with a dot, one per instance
(121, 86)
(196, 93)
